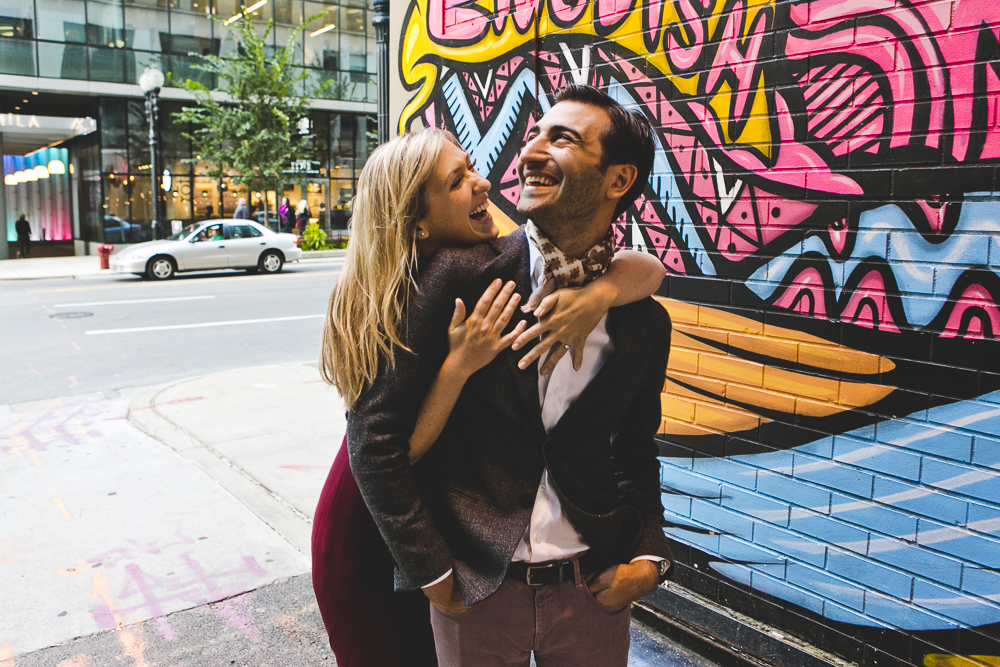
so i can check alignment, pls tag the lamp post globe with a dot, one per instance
(150, 82)
(150, 79)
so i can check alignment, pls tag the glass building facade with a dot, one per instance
(114, 40)
(96, 49)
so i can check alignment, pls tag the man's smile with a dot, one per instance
(535, 183)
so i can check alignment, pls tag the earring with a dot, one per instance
(422, 234)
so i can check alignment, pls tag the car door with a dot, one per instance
(202, 252)
(244, 245)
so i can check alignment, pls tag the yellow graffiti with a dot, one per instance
(711, 389)
(70, 572)
(59, 503)
(941, 660)
(101, 590)
(422, 56)
(501, 220)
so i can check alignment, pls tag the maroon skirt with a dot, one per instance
(369, 624)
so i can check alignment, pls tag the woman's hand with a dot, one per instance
(476, 341)
(565, 318)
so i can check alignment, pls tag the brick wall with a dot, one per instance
(825, 199)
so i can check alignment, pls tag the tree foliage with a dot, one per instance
(247, 131)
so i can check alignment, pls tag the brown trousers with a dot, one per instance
(563, 624)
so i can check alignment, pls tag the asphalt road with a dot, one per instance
(65, 337)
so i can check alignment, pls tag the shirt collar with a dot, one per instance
(536, 264)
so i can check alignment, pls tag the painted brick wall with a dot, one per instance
(825, 199)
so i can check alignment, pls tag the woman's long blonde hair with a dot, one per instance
(369, 301)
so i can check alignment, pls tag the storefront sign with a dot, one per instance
(304, 167)
(17, 123)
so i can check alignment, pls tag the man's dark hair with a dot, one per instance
(628, 140)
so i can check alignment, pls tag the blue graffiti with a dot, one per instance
(925, 272)
(892, 525)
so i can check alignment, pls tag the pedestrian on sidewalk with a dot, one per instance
(302, 215)
(23, 229)
(286, 216)
(242, 210)
(398, 226)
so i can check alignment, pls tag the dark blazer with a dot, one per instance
(467, 502)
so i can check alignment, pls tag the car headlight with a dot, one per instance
(128, 256)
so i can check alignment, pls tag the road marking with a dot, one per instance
(202, 325)
(115, 303)
(184, 279)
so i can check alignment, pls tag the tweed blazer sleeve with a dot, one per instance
(381, 422)
(634, 449)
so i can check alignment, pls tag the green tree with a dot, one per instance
(250, 128)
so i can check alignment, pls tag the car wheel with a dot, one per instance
(161, 268)
(271, 262)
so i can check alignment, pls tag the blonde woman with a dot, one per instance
(302, 215)
(417, 194)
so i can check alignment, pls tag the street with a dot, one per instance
(163, 447)
(71, 337)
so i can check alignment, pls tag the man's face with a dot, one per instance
(559, 167)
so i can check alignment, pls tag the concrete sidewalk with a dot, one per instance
(171, 525)
(121, 548)
(51, 267)
(90, 266)
(268, 435)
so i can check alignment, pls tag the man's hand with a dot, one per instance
(446, 596)
(620, 585)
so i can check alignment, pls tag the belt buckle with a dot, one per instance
(541, 567)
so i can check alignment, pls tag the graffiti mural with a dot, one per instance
(825, 200)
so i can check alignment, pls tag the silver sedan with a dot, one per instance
(211, 244)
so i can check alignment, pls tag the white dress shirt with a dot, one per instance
(550, 535)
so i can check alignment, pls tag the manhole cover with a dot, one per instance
(70, 316)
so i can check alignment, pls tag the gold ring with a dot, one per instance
(564, 346)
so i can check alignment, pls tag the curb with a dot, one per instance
(322, 254)
(291, 525)
(75, 276)
(724, 635)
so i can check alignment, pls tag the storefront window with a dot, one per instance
(17, 29)
(178, 200)
(105, 23)
(107, 65)
(322, 36)
(144, 22)
(61, 20)
(205, 198)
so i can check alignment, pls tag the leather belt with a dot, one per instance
(552, 572)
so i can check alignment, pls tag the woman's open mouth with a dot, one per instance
(481, 214)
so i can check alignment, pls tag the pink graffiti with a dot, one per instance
(805, 295)
(450, 21)
(238, 614)
(979, 299)
(742, 220)
(867, 305)
(142, 594)
(927, 46)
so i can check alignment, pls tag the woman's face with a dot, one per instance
(457, 212)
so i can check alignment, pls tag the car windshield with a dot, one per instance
(180, 236)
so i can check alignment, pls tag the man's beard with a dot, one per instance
(560, 216)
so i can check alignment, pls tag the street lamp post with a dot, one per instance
(381, 24)
(150, 81)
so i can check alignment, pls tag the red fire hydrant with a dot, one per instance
(105, 252)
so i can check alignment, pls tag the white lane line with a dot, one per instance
(204, 324)
(115, 303)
